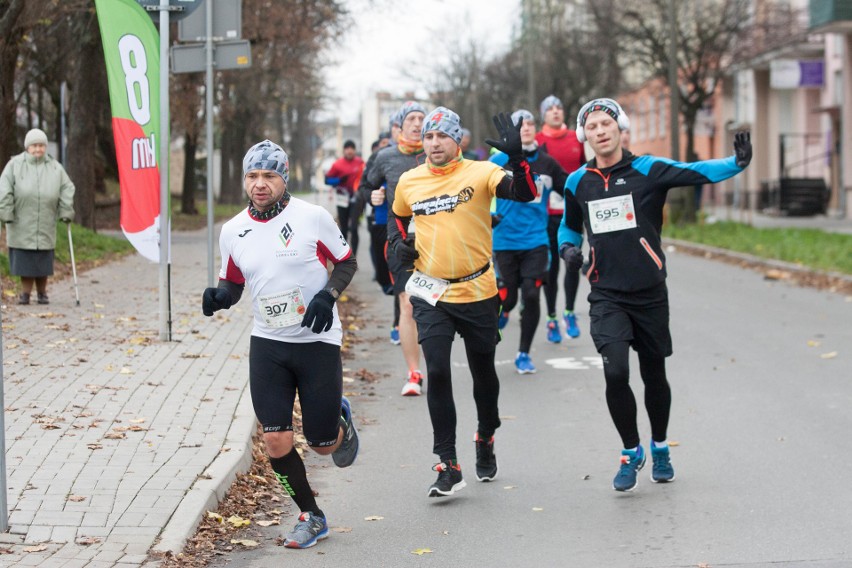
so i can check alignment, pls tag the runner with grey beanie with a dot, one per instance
(279, 246)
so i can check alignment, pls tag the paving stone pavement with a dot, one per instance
(116, 441)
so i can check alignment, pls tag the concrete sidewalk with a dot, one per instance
(117, 442)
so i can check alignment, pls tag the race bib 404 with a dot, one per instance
(426, 287)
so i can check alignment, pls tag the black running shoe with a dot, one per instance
(347, 451)
(486, 461)
(449, 480)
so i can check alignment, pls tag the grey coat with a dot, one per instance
(34, 195)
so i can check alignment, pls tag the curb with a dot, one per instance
(801, 275)
(210, 488)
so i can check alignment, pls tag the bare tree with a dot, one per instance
(706, 33)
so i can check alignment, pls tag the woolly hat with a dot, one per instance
(267, 155)
(521, 114)
(407, 108)
(608, 106)
(549, 101)
(443, 120)
(35, 136)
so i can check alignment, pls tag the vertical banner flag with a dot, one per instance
(132, 53)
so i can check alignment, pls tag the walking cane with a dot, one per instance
(73, 265)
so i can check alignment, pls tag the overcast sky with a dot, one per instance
(387, 35)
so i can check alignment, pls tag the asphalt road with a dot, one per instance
(762, 392)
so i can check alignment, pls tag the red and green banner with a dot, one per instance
(132, 53)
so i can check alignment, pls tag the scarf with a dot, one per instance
(447, 168)
(271, 213)
(554, 132)
(409, 147)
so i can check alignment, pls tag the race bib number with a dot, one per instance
(282, 309)
(426, 287)
(612, 214)
(341, 198)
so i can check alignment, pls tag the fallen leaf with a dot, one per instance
(537, 509)
(510, 487)
(215, 516)
(674, 443)
(813, 343)
(373, 518)
(115, 436)
(586, 477)
(76, 498)
(87, 540)
(94, 446)
(126, 371)
(421, 551)
(829, 355)
(37, 548)
(245, 542)
(267, 523)
(342, 529)
(137, 421)
(238, 521)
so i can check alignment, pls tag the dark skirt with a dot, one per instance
(30, 263)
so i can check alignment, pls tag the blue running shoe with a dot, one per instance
(310, 529)
(394, 335)
(502, 319)
(553, 333)
(347, 451)
(631, 462)
(662, 472)
(571, 324)
(524, 364)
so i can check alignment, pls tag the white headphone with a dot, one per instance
(622, 120)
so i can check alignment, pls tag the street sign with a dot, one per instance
(227, 22)
(192, 58)
(178, 9)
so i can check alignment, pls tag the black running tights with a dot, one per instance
(531, 312)
(439, 393)
(571, 281)
(619, 395)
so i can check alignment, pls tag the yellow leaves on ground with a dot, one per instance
(421, 551)
(215, 516)
(238, 522)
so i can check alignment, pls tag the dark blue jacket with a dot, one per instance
(623, 214)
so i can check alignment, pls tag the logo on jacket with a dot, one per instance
(244, 233)
(442, 203)
(286, 234)
(620, 181)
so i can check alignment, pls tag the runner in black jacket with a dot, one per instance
(622, 197)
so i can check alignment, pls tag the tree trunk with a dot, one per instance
(82, 120)
(187, 199)
(681, 200)
(10, 36)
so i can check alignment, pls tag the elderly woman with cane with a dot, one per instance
(35, 192)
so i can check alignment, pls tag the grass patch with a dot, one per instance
(812, 248)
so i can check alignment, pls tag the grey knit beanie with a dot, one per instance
(267, 155)
(35, 136)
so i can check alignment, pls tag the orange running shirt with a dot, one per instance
(453, 219)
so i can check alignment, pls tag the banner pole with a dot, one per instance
(165, 229)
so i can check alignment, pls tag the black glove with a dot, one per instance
(510, 137)
(572, 256)
(320, 313)
(742, 148)
(405, 251)
(215, 299)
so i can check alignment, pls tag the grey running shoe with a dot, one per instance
(347, 451)
(307, 531)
